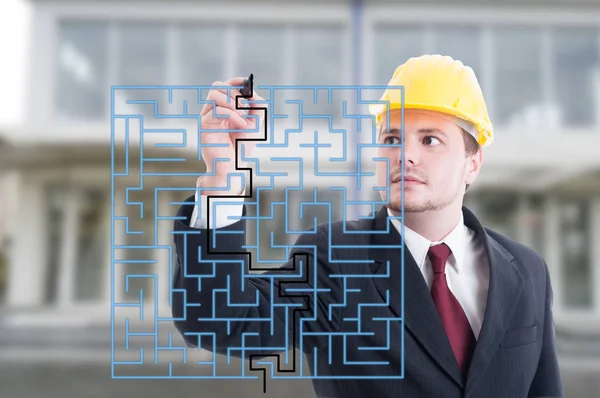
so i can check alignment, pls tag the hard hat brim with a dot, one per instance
(484, 132)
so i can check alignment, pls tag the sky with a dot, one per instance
(14, 34)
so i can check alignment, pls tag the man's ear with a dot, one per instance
(474, 163)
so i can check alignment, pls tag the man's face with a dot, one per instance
(436, 166)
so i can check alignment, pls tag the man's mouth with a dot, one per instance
(412, 180)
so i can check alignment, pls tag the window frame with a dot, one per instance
(199, 13)
(487, 18)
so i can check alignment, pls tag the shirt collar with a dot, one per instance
(418, 245)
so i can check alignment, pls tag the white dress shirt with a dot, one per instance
(467, 269)
(225, 214)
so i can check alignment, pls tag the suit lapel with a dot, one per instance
(506, 284)
(391, 274)
(420, 315)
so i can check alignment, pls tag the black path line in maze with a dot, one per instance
(305, 297)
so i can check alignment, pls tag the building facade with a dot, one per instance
(539, 68)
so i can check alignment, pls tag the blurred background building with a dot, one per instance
(539, 66)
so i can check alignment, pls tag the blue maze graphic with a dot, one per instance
(321, 132)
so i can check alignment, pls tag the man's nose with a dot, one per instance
(411, 152)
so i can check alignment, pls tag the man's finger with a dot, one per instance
(219, 98)
(236, 81)
(221, 114)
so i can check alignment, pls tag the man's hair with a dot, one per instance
(471, 147)
(471, 144)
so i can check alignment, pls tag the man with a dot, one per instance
(477, 305)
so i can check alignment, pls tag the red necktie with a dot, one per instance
(453, 317)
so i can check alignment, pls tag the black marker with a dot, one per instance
(248, 86)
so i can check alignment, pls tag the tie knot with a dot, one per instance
(438, 255)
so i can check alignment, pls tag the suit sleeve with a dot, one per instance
(220, 306)
(547, 381)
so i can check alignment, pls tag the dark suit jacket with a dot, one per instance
(342, 291)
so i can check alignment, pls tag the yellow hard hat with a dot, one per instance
(438, 83)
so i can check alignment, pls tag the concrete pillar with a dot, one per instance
(119, 238)
(108, 212)
(68, 249)
(595, 252)
(552, 239)
(357, 78)
(523, 220)
(163, 253)
(28, 252)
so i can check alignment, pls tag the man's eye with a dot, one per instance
(429, 140)
(386, 140)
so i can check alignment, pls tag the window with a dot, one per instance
(261, 50)
(141, 235)
(518, 77)
(91, 246)
(576, 68)
(461, 43)
(394, 46)
(318, 61)
(198, 57)
(82, 91)
(142, 54)
(143, 59)
(496, 210)
(95, 56)
(576, 271)
(537, 82)
(202, 54)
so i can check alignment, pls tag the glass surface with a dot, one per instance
(260, 50)
(319, 61)
(394, 46)
(82, 57)
(143, 57)
(55, 203)
(496, 210)
(91, 246)
(462, 43)
(576, 66)
(576, 277)
(518, 77)
(202, 55)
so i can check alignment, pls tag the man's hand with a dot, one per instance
(231, 119)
